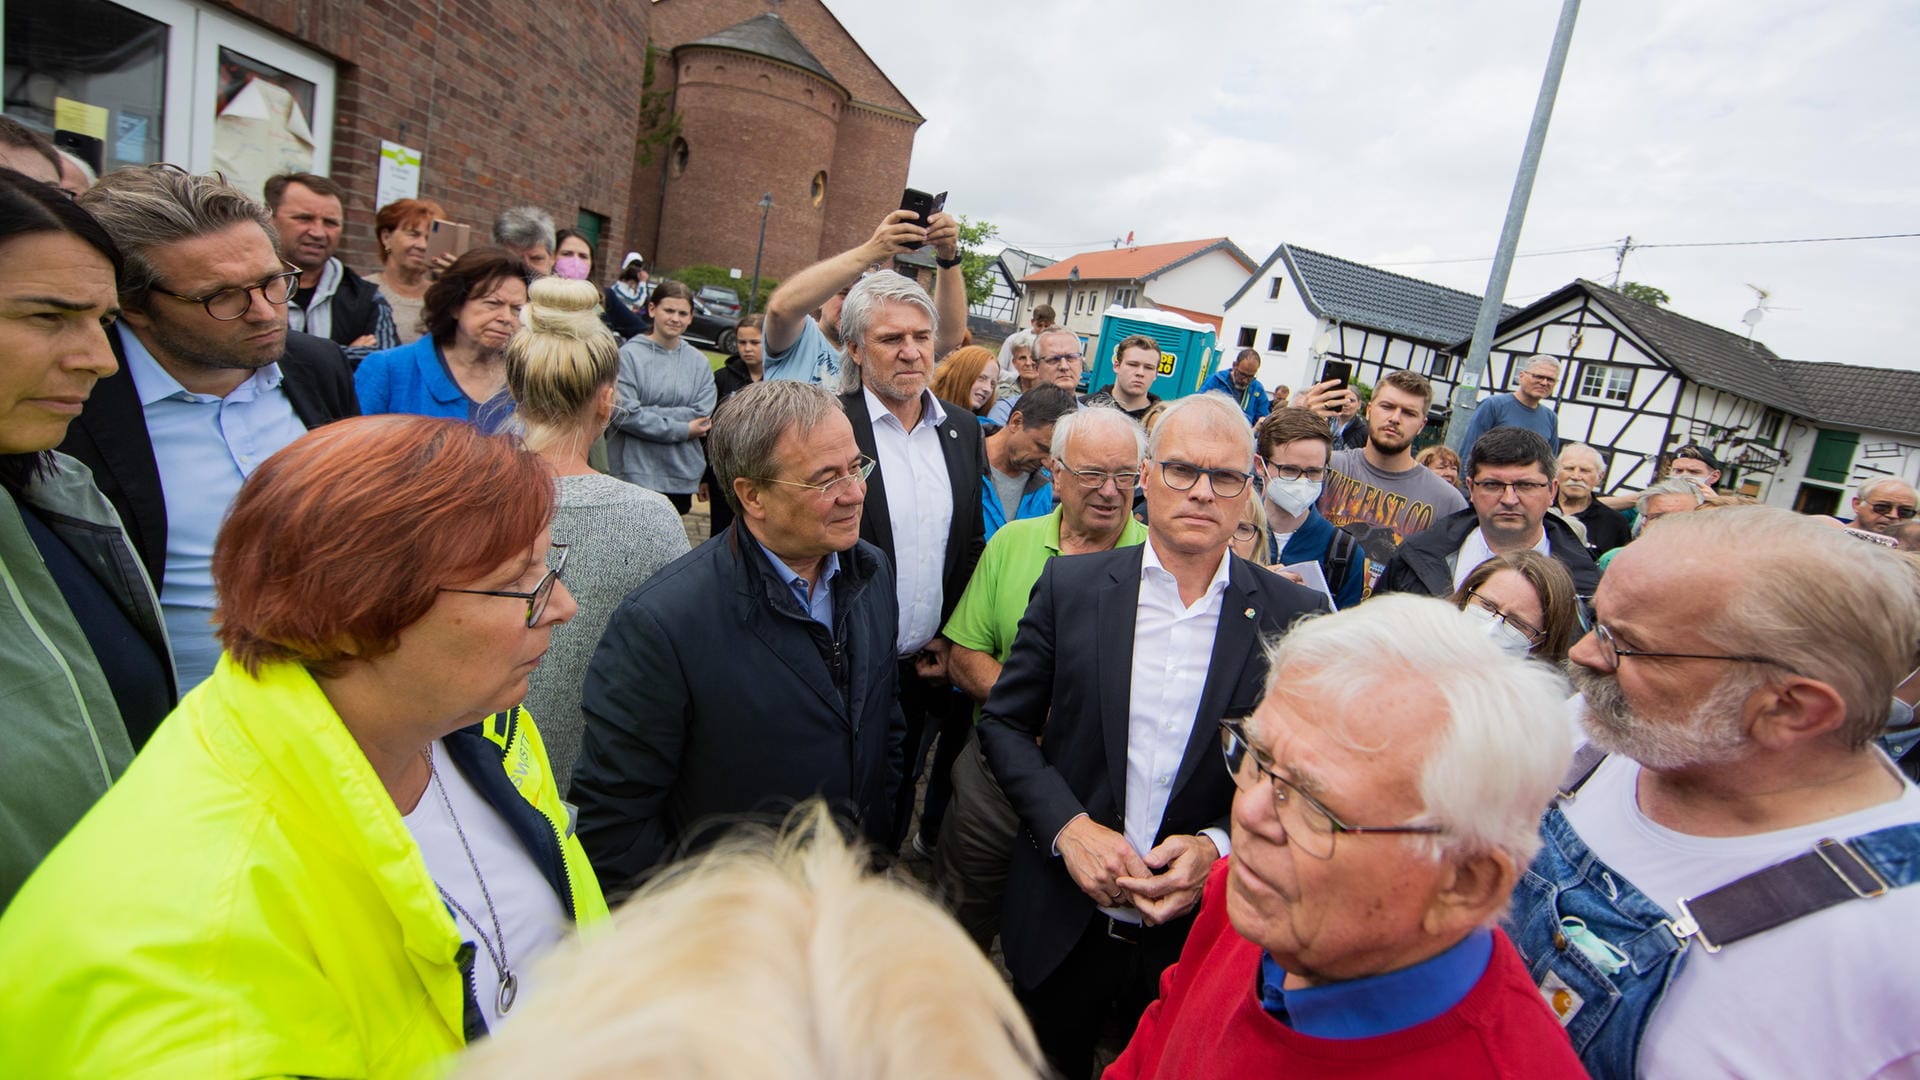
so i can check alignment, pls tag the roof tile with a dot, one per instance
(1134, 263)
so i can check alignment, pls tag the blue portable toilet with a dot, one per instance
(1187, 350)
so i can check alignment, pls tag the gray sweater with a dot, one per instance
(656, 395)
(619, 535)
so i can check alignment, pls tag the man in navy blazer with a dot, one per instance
(1103, 731)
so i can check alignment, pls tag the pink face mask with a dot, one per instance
(571, 266)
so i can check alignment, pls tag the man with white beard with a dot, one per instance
(1721, 887)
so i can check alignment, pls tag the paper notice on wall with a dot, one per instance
(80, 118)
(399, 174)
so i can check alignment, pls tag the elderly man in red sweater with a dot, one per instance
(1390, 788)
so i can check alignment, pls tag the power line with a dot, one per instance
(1489, 258)
(1805, 240)
(1634, 245)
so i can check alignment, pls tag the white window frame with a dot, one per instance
(1610, 383)
(196, 34)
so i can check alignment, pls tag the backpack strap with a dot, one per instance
(1835, 871)
(1586, 761)
(1340, 559)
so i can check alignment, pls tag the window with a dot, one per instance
(1273, 290)
(1604, 383)
(1079, 302)
(1441, 366)
(1277, 341)
(1770, 427)
(1123, 297)
(179, 81)
(1247, 334)
(677, 157)
(817, 191)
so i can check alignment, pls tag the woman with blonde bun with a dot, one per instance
(560, 372)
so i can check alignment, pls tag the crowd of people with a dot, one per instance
(373, 714)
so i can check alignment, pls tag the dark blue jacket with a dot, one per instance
(1314, 540)
(713, 697)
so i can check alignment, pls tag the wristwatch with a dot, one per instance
(948, 264)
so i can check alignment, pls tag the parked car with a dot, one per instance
(722, 300)
(711, 326)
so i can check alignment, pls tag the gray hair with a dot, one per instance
(1055, 330)
(1599, 461)
(1815, 600)
(147, 207)
(1541, 358)
(1504, 750)
(860, 306)
(524, 228)
(1672, 485)
(749, 424)
(1868, 489)
(1227, 416)
(1092, 418)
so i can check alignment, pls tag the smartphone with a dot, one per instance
(1339, 370)
(448, 238)
(923, 205)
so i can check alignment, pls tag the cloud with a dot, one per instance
(1390, 130)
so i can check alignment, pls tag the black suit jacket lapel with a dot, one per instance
(1112, 664)
(1234, 641)
(111, 437)
(876, 527)
(962, 476)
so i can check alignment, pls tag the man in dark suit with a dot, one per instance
(210, 382)
(1126, 661)
(923, 502)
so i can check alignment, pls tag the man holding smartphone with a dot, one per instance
(803, 315)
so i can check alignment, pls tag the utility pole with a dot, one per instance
(753, 298)
(1620, 259)
(1467, 394)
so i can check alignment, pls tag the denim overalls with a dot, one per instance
(1605, 973)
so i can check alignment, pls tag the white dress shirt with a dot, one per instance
(1172, 650)
(1474, 551)
(913, 469)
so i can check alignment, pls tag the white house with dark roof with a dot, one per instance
(1003, 305)
(1638, 381)
(1302, 308)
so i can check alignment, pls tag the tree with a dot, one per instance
(1646, 294)
(977, 266)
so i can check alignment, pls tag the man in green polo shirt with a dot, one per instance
(1097, 455)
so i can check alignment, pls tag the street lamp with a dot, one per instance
(765, 204)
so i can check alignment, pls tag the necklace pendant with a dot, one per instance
(509, 989)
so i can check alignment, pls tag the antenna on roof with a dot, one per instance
(1752, 318)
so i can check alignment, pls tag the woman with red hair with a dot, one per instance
(344, 852)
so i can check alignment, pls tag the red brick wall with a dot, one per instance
(509, 101)
(869, 172)
(738, 109)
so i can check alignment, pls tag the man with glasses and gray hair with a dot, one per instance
(211, 383)
(1382, 815)
(1057, 361)
(758, 669)
(1100, 729)
(1723, 887)
(1510, 489)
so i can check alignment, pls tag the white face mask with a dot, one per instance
(1502, 632)
(1293, 496)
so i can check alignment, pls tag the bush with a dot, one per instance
(695, 277)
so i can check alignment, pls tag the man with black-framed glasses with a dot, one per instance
(211, 381)
(757, 670)
(1510, 491)
(1383, 812)
(1101, 731)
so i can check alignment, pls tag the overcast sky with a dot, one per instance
(1388, 132)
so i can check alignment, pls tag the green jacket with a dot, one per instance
(64, 740)
(248, 902)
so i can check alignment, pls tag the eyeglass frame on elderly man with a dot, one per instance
(860, 472)
(1898, 511)
(1613, 652)
(291, 276)
(538, 598)
(1233, 730)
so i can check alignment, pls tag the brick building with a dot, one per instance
(509, 101)
(787, 104)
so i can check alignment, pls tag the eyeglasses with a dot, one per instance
(1246, 531)
(830, 489)
(1613, 652)
(1094, 479)
(1533, 634)
(1063, 359)
(1180, 476)
(1888, 509)
(1295, 472)
(1309, 826)
(1499, 488)
(232, 302)
(537, 599)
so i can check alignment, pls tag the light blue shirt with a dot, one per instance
(205, 447)
(811, 358)
(817, 601)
